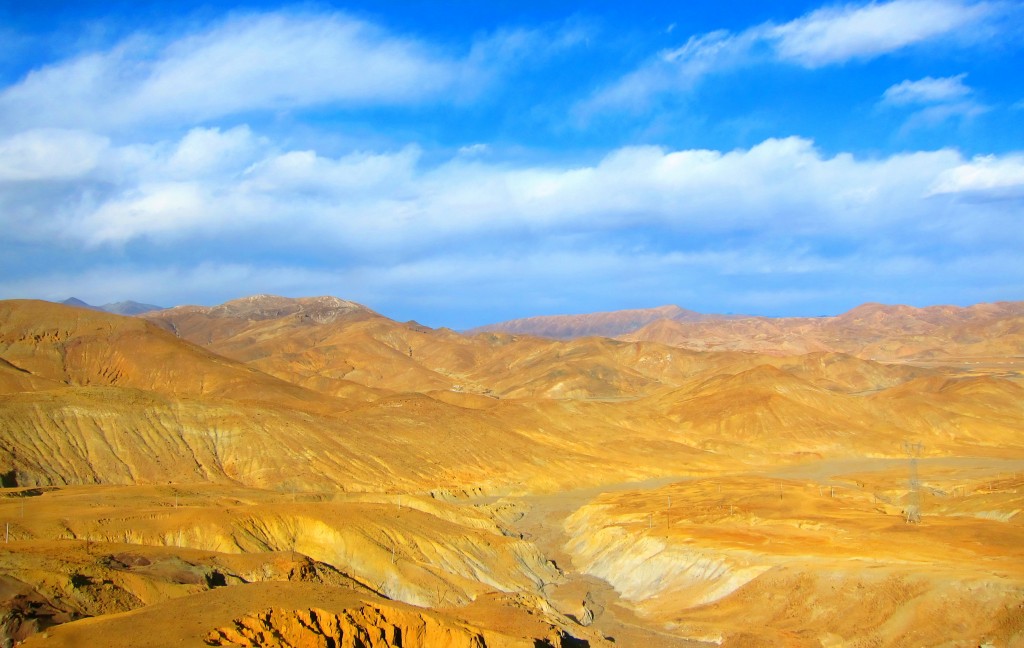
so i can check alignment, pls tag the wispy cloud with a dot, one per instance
(261, 62)
(839, 34)
(933, 101)
(828, 36)
(927, 90)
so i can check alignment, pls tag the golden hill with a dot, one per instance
(113, 399)
(78, 347)
(308, 469)
(99, 388)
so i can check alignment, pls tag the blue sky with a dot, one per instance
(461, 163)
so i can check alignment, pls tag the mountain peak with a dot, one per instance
(78, 303)
(268, 307)
(117, 308)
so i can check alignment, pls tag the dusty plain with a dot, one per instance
(307, 472)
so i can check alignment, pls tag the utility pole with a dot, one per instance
(913, 513)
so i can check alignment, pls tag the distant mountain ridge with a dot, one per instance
(603, 324)
(870, 331)
(118, 308)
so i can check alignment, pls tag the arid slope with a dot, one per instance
(303, 469)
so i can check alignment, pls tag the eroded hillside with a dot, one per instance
(311, 471)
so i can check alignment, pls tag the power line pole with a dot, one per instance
(913, 512)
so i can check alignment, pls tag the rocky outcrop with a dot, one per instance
(369, 626)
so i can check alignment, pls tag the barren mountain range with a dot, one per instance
(306, 471)
(121, 308)
(870, 331)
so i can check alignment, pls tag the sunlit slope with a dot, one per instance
(161, 551)
(104, 398)
(983, 413)
(117, 435)
(46, 345)
(766, 414)
(101, 398)
(766, 409)
(827, 559)
(285, 614)
(317, 441)
(416, 549)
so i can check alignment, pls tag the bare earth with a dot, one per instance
(310, 473)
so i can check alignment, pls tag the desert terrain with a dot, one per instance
(308, 472)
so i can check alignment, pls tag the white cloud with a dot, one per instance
(934, 100)
(345, 178)
(472, 150)
(675, 70)
(49, 154)
(931, 116)
(273, 61)
(835, 35)
(151, 210)
(828, 36)
(213, 183)
(927, 91)
(278, 61)
(988, 174)
(209, 150)
(266, 62)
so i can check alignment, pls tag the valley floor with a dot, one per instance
(818, 554)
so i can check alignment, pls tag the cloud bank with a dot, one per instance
(387, 221)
